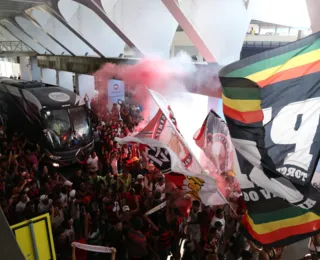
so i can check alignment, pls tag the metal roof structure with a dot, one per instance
(14, 7)
(104, 28)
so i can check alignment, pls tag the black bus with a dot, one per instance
(53, 117)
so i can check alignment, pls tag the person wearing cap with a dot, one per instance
(44, 204)
(72, 194)
(140, 180)
(74, 205)
(125, 208)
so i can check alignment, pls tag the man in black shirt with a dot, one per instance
(115, 238)
(76, 180)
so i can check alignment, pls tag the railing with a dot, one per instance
(13, 46)
(263, 44)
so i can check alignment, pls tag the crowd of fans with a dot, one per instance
(105, 201)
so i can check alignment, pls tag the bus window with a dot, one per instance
(58, 121)
(67, 128)
(80, 121)
(58, 127)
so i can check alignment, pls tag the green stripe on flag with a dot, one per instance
(242, 93)
(273, 61)
(280, 214)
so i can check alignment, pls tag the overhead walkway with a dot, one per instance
(15, 48)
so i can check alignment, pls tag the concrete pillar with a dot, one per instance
(57, 78)
(313, 9)
(41, 75)
(35, 70)
(25, 68)
(75, 80)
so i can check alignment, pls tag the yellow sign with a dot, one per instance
(35, 239)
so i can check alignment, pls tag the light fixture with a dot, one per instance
(55, 165)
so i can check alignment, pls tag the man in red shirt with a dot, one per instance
(137, 242)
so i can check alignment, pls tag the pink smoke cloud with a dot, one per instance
(159, 74)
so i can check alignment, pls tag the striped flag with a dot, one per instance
(271, 102)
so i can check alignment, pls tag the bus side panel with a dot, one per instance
(15, 118)
(3, 108)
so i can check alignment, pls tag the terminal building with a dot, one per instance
(64, 42)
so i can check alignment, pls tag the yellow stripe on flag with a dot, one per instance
(285, 223)
(297, 61)
(242, 105)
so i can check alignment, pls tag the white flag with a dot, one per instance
(204, 186)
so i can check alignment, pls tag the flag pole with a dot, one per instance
(184, 142)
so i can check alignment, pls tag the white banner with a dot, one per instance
(97, 249)
(160, 154)
(164, 128)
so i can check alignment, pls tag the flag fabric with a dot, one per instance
(213, 138)
(198, 185)
(269, 220)
(271, 102)
(164, 127)
(162, 135)
(272, 105)
(172, 136)
(159, 128)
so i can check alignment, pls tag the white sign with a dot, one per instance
(116, 91)
(59, 96)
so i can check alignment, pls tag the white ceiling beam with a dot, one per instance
(29, 1)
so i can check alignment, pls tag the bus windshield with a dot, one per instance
(67, 128)
(80, 123)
